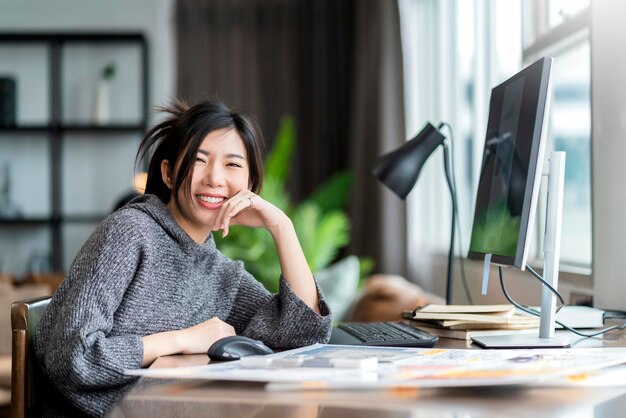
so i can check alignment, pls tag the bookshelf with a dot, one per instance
(67, 166)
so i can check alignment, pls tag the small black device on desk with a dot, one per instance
(384, 334)
(236, 347)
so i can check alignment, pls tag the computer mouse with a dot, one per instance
(236, 347)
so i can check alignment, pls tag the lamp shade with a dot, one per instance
(399, 169)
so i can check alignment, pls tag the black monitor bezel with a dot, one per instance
(542, 68)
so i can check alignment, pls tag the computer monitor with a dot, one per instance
(508, 191)
(511, 168)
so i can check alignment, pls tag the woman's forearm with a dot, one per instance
(293, 264)
(160, 344)
(193, 340)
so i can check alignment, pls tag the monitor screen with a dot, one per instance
(511, 167)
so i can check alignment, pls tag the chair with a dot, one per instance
(25, 372)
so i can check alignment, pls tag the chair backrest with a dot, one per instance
(25, 372)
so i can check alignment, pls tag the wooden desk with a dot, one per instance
(155, 398)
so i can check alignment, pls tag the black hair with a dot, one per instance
(178, 138)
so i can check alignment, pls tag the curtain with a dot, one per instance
(378, 216)
(336, 67)
(239, 51)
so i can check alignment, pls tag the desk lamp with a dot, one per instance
(399, 170)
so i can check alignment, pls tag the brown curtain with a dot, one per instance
(321, 62)
(377, 123)
(240, 51)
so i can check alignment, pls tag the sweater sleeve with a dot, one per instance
(74, 344)
(281, 320)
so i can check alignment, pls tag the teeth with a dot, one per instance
(210, 199)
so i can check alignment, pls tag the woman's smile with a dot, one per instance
(210, 201)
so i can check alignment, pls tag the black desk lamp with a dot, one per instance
(399, 169)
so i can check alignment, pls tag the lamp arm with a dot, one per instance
(447, 168)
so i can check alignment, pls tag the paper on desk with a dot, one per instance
(410, 367)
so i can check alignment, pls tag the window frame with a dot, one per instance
(428, 204)
(541, 40)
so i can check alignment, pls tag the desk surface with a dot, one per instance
(167, 398)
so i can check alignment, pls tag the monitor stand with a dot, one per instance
(552, 250)
(521, 341)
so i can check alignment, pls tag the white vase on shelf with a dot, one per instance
(103, 106)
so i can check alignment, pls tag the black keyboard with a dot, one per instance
(390, 334)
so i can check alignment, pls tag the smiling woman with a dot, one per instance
(150, 281)
(219, 173)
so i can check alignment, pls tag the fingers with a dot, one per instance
(239, 202)
(219, 328)
(198, 338)
(226, 208)
(238, 207)
(224, 330)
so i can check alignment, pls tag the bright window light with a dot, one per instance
(570, 131)
(560, 10)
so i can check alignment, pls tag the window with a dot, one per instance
(560, 11)
(564, 35)
(452, 60)
(455, 51)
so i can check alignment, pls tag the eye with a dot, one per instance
(200, 160)
(234, 165)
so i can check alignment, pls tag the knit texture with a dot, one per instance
(138, 274)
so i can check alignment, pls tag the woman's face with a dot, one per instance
(221, 170)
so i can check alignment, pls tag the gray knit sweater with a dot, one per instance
(139, 273)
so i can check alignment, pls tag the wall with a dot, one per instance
(608, 106)
(152, 17)
(90, 184)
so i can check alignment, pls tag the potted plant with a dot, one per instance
(102, 94)
(320, 221)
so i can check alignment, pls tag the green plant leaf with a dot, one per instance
(305, 218)
(278, 160)
(255, 247)
(321, 236)
(334, 193)
(366, 266)
(320, 221)
(240, 245)
(275, 193)
(108, 72)
(332, 234)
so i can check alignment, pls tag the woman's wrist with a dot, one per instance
(161, 344)
(284, 225)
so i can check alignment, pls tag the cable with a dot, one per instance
(456, 210)
(535, 313)
(450, 275)
(552, 289)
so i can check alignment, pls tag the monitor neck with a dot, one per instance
(552, 241)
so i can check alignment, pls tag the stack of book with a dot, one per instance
(466, 321)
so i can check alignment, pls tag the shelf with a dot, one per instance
(103, 128)
(71, 37)
(25, 129)
(24, 221)
(80, 166)
(84, 218)
(73, 128)
(50, 220)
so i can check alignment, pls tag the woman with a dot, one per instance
(150, 281)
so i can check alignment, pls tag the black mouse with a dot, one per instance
(235, 347)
